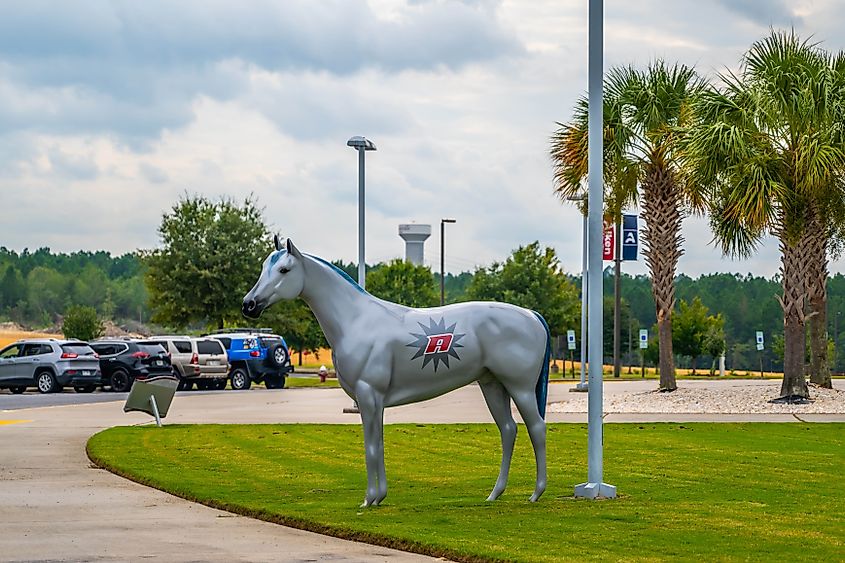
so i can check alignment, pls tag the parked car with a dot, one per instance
(50, 365)
(255, 355)
(196, 361)
(124, 361)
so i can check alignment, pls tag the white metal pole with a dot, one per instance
(362, 266)
(594, 487)
(155, 410)
(584, 305)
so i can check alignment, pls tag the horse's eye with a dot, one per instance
(284, 270)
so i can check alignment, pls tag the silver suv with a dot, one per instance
(49, 364)
(200, 361)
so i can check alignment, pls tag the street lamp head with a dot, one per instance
(361, 143)
(448, 221)
(580, 197)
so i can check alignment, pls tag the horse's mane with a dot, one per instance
(338, 271)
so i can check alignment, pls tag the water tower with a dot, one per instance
(414, 236)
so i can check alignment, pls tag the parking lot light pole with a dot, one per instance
(442, 267)
(362, 145)
(582, 386)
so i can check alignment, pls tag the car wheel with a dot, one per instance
(84, 388)
(278, 356)
(275, 381)
(46, 382)
(240, 379)
(120, 381)
(17, 389)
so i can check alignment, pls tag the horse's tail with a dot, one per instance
(542, 388)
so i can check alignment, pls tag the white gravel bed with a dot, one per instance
(744, 399)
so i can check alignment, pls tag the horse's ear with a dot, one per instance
(294, 251)
(277, 242)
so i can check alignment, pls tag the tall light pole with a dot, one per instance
(362, 145)
(442, 251)
(595, 487)
(582, 386)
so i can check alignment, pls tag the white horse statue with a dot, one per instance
(387, 354)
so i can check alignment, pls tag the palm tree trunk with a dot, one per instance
(792, 302)
(816, 237)
(662, 249)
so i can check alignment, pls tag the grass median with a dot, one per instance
(691, 491)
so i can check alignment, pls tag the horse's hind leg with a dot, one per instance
(499, 403)
(526, 403)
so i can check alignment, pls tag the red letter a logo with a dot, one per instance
(438, 343)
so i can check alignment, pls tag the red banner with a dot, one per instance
(607, 241)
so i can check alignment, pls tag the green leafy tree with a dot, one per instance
(297, 324)
(48, 293)
(211, 255)
(532, 278)
(12, 288)
(404, 283)
(608, 314)
(714, 340)
(91, 286)
(81, 322)
(689, 328)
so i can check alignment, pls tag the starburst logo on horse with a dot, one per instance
(437, 344)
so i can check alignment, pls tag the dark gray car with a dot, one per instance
(49, 365)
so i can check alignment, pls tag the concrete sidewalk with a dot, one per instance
(56, 507)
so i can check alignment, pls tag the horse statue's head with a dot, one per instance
(282, 277)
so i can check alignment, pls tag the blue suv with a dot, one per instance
(255, 355)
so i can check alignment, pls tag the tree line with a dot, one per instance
(36, 288)
(761, 151)
(212, 252)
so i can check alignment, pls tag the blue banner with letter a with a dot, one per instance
(630, 237)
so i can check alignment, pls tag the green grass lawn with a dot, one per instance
(310, 381)
(765, 492)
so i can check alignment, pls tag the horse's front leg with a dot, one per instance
(371, 405)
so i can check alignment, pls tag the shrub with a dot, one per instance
(81, 322)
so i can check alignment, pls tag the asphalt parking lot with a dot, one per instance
(34, 399)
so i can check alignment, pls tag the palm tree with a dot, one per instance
(827, 219)
(765, 150)
(643, 113)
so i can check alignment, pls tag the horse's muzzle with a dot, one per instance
(252, 309)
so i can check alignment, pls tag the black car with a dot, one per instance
(124, 361)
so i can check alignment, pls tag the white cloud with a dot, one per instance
(110, 111)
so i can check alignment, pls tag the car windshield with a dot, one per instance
(80, 349)
(151, 348)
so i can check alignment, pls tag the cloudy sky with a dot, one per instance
(109, 111)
